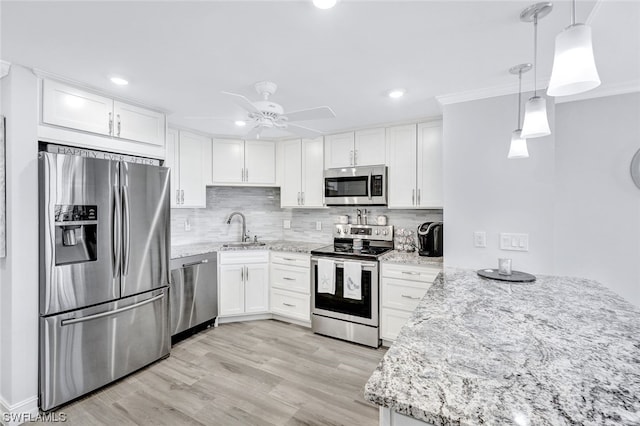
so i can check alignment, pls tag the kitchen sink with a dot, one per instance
(245, 244)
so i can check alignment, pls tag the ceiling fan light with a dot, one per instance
(518, 147)
(397, 93)
(574, 67)
(324, 4)
(240, 123)
(536, 123)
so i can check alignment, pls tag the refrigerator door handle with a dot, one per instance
(126, 230)
(116, 226)
(110, 313)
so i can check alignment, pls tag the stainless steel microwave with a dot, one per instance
(356, 186)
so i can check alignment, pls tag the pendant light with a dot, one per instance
(574, 67)
(536, 123)
(518, 147)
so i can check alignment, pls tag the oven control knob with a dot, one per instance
(384, 232)
(377, 231)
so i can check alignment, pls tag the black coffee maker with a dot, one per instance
(430, 239)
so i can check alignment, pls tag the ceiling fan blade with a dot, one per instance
(310, 114)
(243, 101)
(303, 131)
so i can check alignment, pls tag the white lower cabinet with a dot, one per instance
(402, 287)
(243, 283)
(291, 286)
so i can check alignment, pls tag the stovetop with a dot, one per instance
(350, 252)
(374, 240)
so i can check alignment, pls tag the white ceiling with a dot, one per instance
(180, 55)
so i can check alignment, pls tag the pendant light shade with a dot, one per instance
(574, 67)
(535, 118)
(518, 147)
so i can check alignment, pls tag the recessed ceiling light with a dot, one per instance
(324, 4)
(397, 93)
(119, 81)
(240, 123)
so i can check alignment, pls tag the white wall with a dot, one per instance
(597, 208)
(19, 270)
(484, 191)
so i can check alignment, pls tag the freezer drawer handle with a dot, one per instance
(186, 265)
(110, 313)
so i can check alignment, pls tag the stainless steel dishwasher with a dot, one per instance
(194, 294)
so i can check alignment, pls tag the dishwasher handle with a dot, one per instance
(186, 265)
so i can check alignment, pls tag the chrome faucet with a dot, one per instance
(245, 236)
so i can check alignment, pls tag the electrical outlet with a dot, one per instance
(286, 224)
(480, 239)
(318, 226)
(514, 242)
(187, 225)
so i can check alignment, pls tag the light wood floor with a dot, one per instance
(252, 373)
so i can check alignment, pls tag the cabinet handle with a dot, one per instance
(177, 196)
(246, 175)
(351, 158)
(298, 198)
(242, 175)
(413, 197)
(302, 198)
(411, 273)
(288, 304)
(406, 296)
(246, 273)
(288, 279)
(119, 124)
(182, 196)
(418, 196)
(110, 123)
(289, 259)
(242, 274)
(355, 157)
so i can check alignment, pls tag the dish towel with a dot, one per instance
(352, 283)
(326, 276)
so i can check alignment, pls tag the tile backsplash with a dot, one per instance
(261, 206)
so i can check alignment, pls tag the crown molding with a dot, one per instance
(490, 92)
(4, 68)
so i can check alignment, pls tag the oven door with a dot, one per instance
(363, 311)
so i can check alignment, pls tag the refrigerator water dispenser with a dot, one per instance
(76, 233)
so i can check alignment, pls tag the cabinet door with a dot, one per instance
(171, 161)
(402, 166)
(370, 147)
(228, 161)
(231, 285)
(260, 162)
(430, 186)
(76, 109)
(138, 124)
(338, 150)
(256, 292)
(192, 154)
(312, 172)
(290, 190)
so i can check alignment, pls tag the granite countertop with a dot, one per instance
(475, 351)
(185, 250)
(411, 258)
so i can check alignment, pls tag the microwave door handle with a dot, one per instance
(370, 186)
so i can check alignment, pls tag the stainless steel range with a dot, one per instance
(345, 283)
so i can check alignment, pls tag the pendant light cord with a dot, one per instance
(573, 13)
(535, 55)
(519, 96)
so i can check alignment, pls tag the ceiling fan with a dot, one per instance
(266, 114)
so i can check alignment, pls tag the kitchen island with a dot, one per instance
(475, 351)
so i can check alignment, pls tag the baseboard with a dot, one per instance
(244, 317)
(22, 412)
(290, 320)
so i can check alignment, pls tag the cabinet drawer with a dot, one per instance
(292, 259)
(410, 272)
(391, 321)
(290, 304)
(290, 278)
(243, 257)
(402, 294)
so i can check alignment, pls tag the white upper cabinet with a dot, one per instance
(244, 162)
(73, 108)
(369, 148)
(402, 166)
(415, 166)
(138, 124)
(130, 128)
(339, 150)
(302, 173)
(189, 156)
(362, 148)
(430, 184)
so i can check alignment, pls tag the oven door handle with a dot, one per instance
(364, 264)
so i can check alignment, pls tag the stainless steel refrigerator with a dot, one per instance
(104, 276)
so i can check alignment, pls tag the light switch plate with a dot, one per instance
(479, 239)
(318, 226)
(286, 224)
(514, 242)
